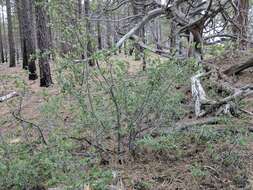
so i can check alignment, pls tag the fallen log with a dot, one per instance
(8, 96)
(236, 69)
(187, 125)
(182, 126)
(228, 105)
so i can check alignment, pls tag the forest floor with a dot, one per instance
(219, 157)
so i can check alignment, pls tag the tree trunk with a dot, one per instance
(138, 33)
(43, 44)
(242, 22)
(108, 33)
(115, 35)
(4, 35)
(79, 9)
(29, 46)
(89, 45)
(33, 21)
(172, 36)
(99, 36)
(21, 33)
(158, 31)
(23, 48)
(10, 35)
(1, 45)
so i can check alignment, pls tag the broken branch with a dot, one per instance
(8, 96)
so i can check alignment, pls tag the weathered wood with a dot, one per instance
(181, 126)
(198, 93)
(8, 96)
(226, 105)
(236, 69)
(187, 125)
(151, 15)
(247, 112)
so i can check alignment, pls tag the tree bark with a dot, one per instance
(79, 9)
(89, 46)
(10, 35)
(1, 45)
(108, 33)
(99, 36)
(29, 46)
(242, 22)
(43, 44)
(21, 32)
(4, 34)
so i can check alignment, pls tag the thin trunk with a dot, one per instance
(4, 35)
(1, 45)
(88, 33)
(115, 35)
(79, 9)
(142, 35)
(158, 33)
(108, 33)
(137, 6)
(10, 35)
(21, 33)
(172, 37)
(99, 36)
(22, 30)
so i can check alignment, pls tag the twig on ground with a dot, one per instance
(19, 118)
(247, 112)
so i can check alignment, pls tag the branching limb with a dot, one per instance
(32, 124)
(151, 15)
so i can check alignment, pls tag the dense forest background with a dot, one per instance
(126, 94)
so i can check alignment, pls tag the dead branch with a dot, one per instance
(161, 52)
(8, 96)
(17, 117)
(151, 15)
(246, 112)
(204, 106)
(227, 105)
(187, 125)
(182, 126)
(236, 69)
(198, 93)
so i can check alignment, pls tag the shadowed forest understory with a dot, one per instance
(126, 95)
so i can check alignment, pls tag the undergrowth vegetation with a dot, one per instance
(105, 107)
(104, 117)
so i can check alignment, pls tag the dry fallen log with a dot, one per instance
(226, 105)
(8, 96)
(236, 69)
(182, 126)
(187, 125)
